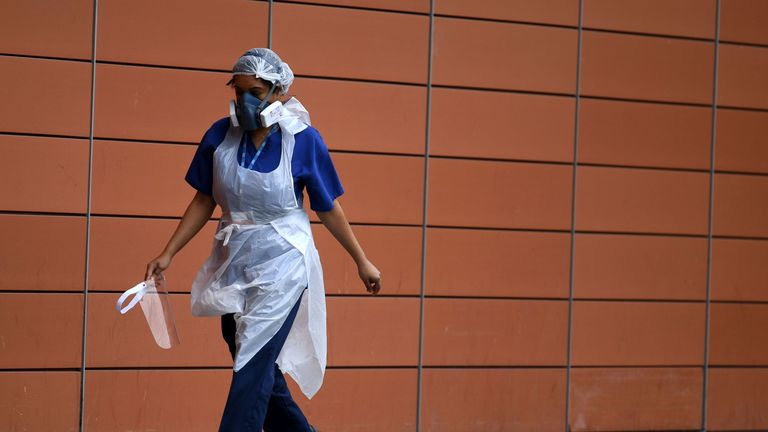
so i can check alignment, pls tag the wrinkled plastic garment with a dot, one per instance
(263, 256)
(304, 354)
(247, 257)
(152, 296)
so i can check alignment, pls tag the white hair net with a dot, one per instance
(265, 64)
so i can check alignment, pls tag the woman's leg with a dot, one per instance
(252, 386)
(283, 413)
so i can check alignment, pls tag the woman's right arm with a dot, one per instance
(197, 214)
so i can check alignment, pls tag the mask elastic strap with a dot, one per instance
(139, 290)
(264, 102)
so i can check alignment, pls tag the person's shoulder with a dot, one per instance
(216, 132)
(309, 133)
(220, 125)
(310, 139)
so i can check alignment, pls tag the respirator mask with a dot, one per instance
(252, 113)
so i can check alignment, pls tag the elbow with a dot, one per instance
(323, 215)
(204, 201)
(327, 214)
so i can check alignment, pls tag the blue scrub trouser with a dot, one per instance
(259, 396)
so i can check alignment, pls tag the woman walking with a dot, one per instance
(264, 275)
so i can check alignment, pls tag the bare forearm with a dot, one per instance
(197, 214)
(336, 222)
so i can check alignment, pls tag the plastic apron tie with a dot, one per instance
(153, 299)
(226, 232)
(235, 222)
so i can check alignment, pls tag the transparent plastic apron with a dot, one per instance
(262, 259)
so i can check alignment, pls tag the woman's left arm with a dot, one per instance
(336, 222)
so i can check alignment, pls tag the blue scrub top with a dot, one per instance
(311, 164)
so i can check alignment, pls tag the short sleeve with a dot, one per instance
(200, 172)
(320, 176)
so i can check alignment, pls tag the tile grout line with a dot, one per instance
(656, 234)
(573, 221)
(710, 216)
(517, 22)
(425, 203)
(269, 25)
(516, 91)
(110, 140)
(94, 27)
(447, 157)
(633, 300)
(378, 367)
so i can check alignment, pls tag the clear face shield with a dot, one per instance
(153, 298)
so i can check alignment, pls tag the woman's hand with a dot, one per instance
(337, 224)
(158, 265)
(370, 275)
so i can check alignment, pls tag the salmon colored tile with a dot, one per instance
(737, 334)
(41, 330)
(147, 103)
(161, 400)
(534, 57)
(738, 269)
(495, 332)
(744, 21)
(368, 117)
(691, 18)
(640, 267)
(43, 28)
(499, 194)
(370, 180)
(736, 399)
(421, 6)
(493, 400)
(201, 34)
(740, 141)
(40, 401)
(644, 134)
(122, 247)
(638, 200)
(124, 340)
(373, 331)
(497, 263)
(308, 38)
(362, 400)
(649, 68)
(620, 399)
(563, 12)
(501, 125)
(394, 250)
(33, 104)
(141, 178)
(44, 174)
(741, 76)
(42, 253)
(637, 333)
(739, 205)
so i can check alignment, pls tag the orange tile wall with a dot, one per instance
(568, 201)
